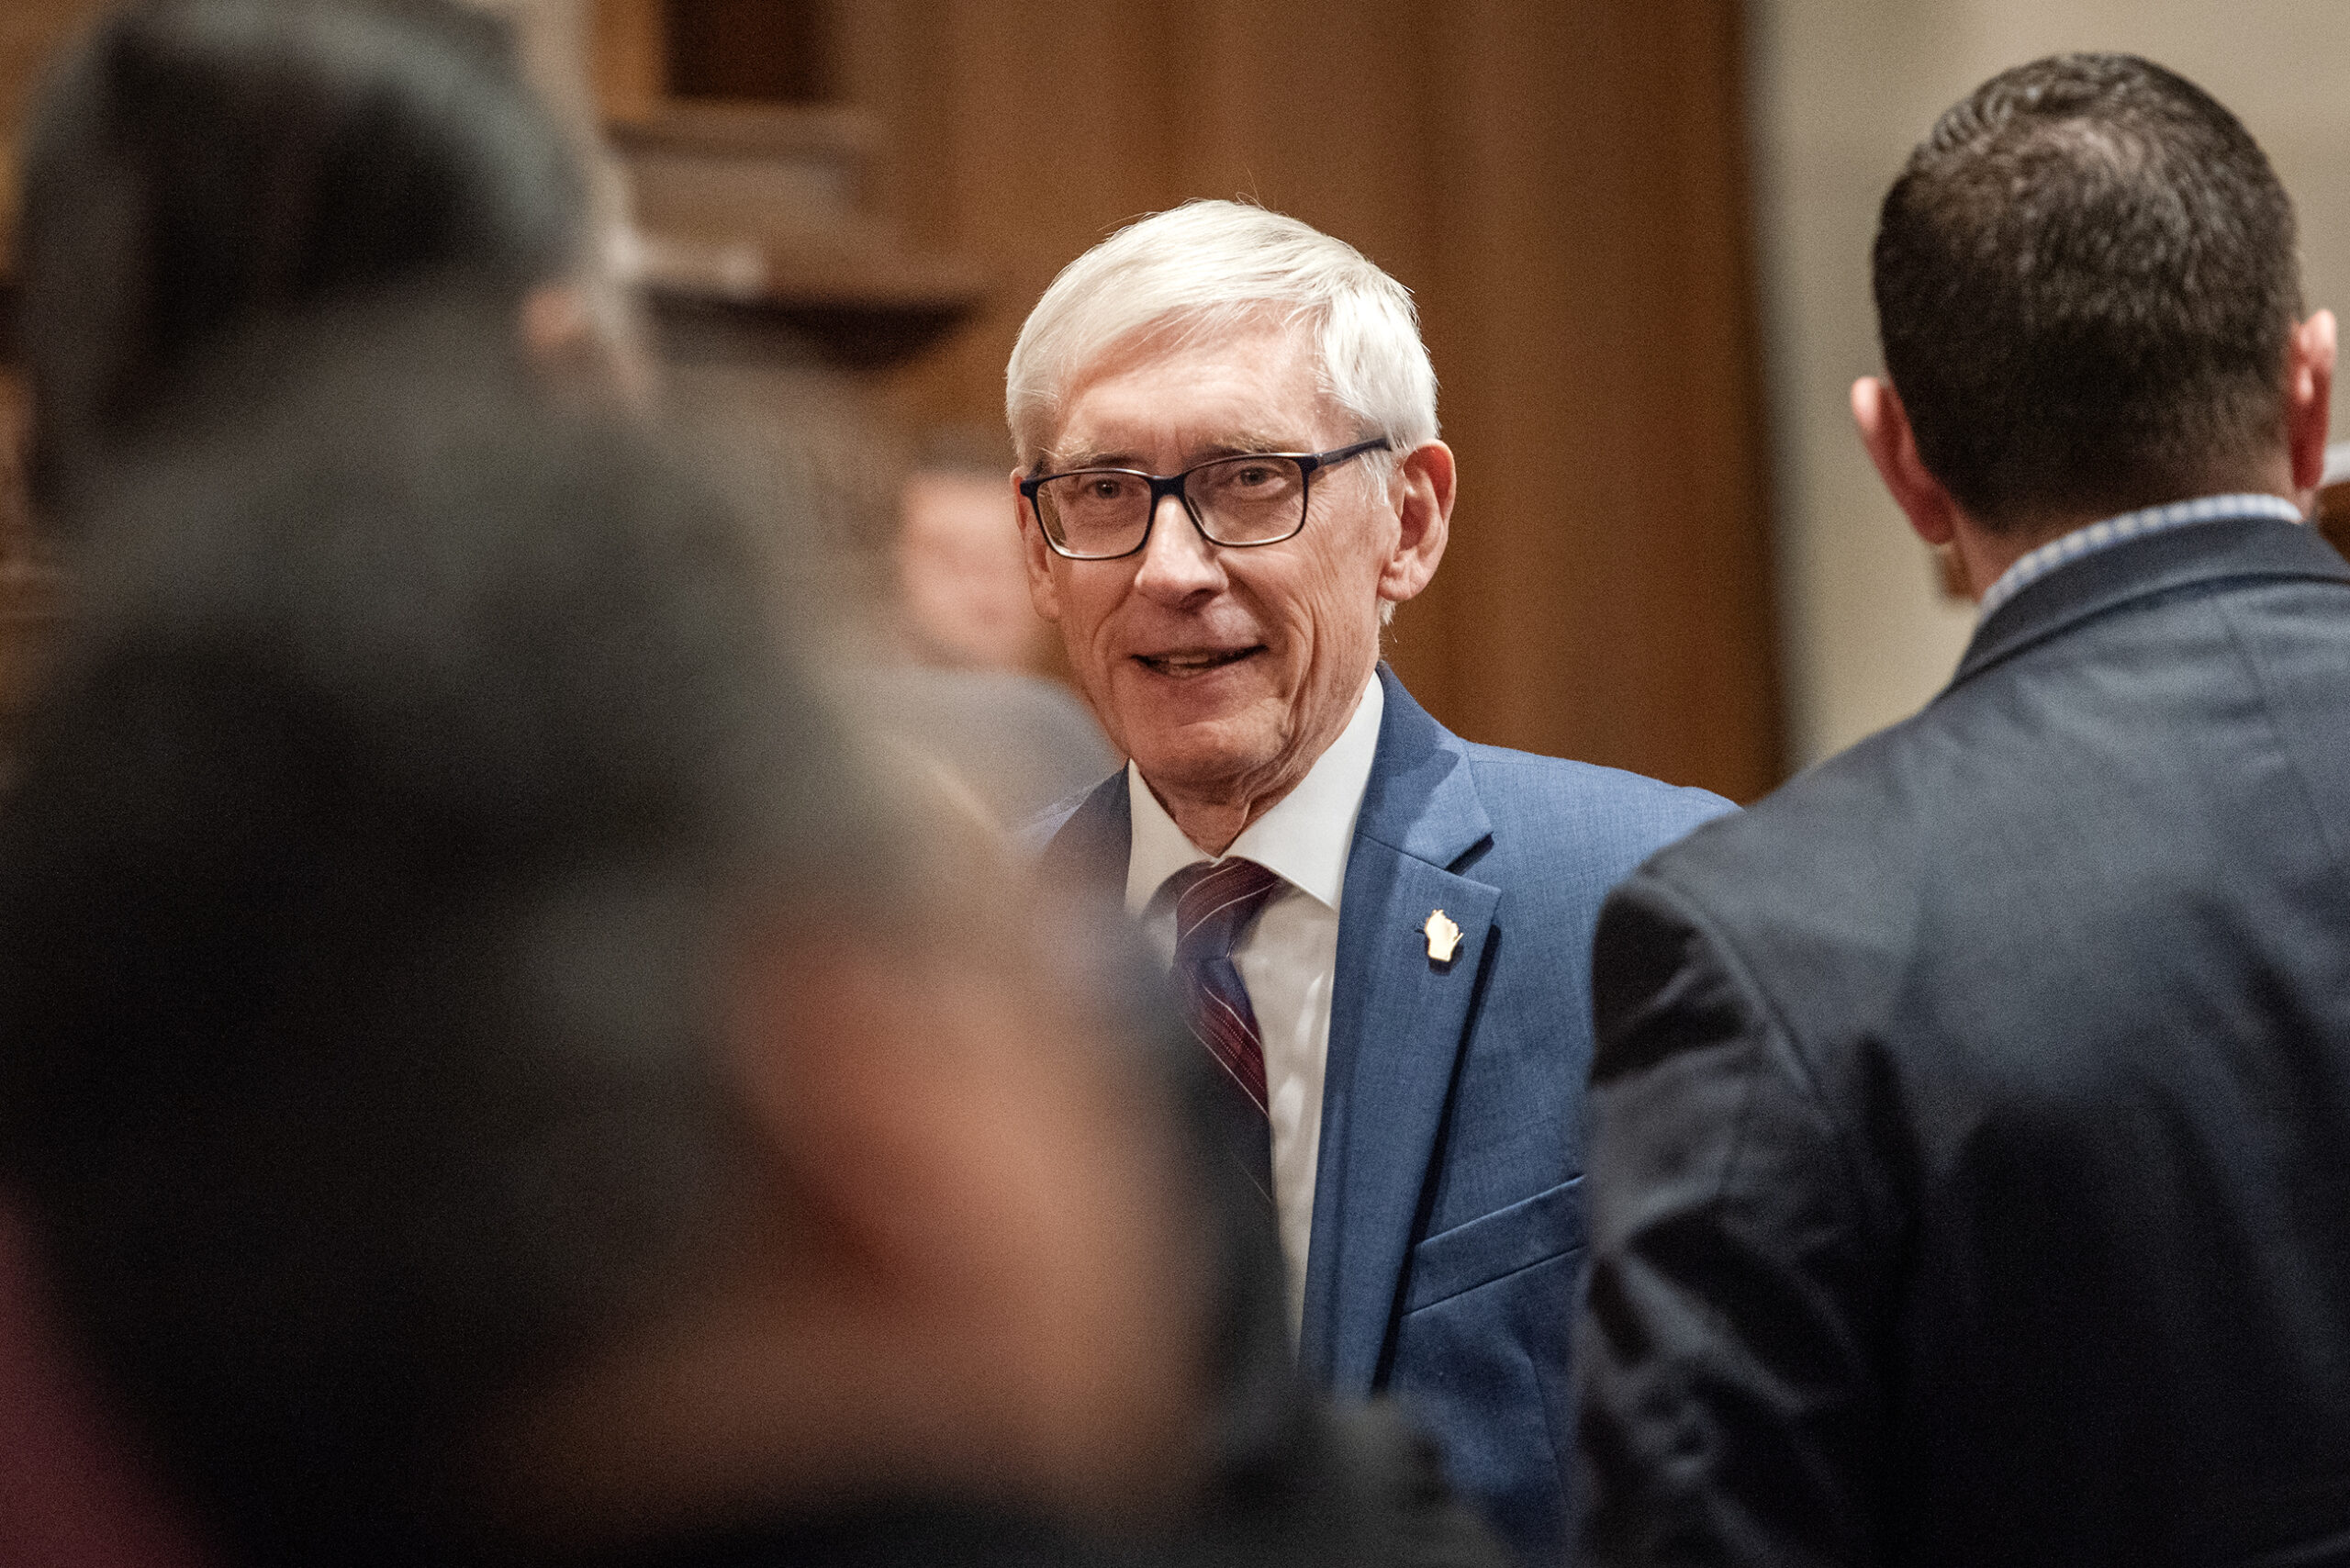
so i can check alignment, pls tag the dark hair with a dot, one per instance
(372, 848)
(2085, 283)
(194, 163)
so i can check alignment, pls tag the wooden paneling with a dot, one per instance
(2333, 516)
(29, 29)
(1560, 182)
(629, 58)
(30, 32)
(779, 51)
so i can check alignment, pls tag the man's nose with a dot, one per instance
(1178, 562)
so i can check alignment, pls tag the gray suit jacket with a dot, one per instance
(1971, 1174)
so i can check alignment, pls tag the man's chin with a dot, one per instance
(1191, 731)
(1202, 766)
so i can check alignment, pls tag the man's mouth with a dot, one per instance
(1186, 665)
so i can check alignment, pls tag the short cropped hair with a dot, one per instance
(192, 164)
(1204, 268)
(374, 856)
(2085, 283)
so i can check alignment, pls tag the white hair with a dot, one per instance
(1204, 268)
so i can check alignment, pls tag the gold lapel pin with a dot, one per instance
(1444, 937)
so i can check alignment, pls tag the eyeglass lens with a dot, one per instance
(1242, 500)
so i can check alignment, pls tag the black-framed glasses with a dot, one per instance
(1099, 514)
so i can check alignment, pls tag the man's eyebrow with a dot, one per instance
(1240, 443)
(1086, 457)
(1247, 442)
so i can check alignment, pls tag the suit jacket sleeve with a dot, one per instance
(1732, 1410)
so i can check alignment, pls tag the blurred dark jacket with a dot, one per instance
(1973, 1161)
(74, 1491)
(1360, 1493)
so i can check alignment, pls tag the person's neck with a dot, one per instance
(1213, 824)
(1985, 553)
(1216, 815)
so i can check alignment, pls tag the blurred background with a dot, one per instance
(1638, 231)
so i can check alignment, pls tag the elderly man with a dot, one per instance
(1970, 1178)
(1230, 475)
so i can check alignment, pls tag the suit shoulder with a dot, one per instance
(1829, 876)
(1582, 797)
(1565, 832)
(1847, 806)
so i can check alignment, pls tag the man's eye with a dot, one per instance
(1108, 488)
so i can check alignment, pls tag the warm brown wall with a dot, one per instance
(29, 31)
(1560, 181)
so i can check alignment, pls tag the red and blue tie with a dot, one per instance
(1214, 905)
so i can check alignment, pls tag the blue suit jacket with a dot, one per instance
(1449, 1240)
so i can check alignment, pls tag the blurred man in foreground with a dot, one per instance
(1974, 1115)
(1231, 475)
(495, 1080)
(192, 171)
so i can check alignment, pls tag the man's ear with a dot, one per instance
(2309, 399)
(1891, 445)
(1426, 479)
(554, 324)
(1043, 592)
(564, 341)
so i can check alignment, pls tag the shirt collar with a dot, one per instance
(2065, 550)
(1305, 838)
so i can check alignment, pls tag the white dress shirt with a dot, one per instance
(1288, 957)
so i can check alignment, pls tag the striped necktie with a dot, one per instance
(1214, 905)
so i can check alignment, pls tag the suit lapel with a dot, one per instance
(1396, 1022)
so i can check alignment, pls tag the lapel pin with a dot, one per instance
(1444, 937)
